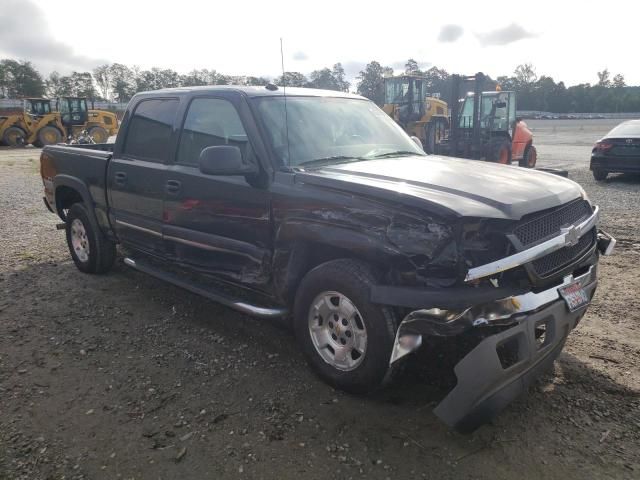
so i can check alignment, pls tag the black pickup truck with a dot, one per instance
(316, 206)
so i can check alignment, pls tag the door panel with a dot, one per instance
(217, 225)
(137, 175)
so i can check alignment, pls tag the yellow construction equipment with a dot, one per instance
(39, 125)
(407, 103)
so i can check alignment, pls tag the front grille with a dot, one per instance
(559, 259)
(539, 226)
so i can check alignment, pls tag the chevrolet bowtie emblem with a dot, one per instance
(571, 236)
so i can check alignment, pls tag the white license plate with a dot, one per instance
(574, 295)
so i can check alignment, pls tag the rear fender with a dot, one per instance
(81, 188)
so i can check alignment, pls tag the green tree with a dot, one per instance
(256, 81)
(603, 78)
(371, 81)
(20, 79)
(412, 67)
(322, 79)
(123, 82)
(156, 79)
(618, 81)
(292, 79)
(102, 77)
(340, 78)
(199, 77)
(525, 74)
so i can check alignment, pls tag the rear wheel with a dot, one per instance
(49, 136)
(91, 251)
(346, 339)
(600, 175)
(500, 151)
(98, 134)
(14, 137)
(530, 157)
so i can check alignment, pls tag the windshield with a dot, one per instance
(331, 129)
(489, 111)
(36, 107)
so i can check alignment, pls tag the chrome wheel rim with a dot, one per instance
(79, 240)
(337, 331)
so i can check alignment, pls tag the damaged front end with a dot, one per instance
(528, 304)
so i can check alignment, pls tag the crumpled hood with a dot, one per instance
(465, 188)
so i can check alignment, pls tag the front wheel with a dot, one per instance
(91, 251)
(500, 151)
(530, 157)
(346, 339)
(14, 137)
(98, 134)
(49, 136)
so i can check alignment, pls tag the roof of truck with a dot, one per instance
(257, 91)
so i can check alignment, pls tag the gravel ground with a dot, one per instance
(123, 376)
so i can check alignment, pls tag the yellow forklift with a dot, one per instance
(40, 125)
(406, 101)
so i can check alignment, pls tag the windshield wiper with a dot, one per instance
(397, 153)
(328, 160)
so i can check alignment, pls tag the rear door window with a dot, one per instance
(150, 127)
(210, 122)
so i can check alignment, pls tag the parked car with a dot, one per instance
(617, 152)
(316, 206)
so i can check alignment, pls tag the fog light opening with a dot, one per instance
(508, 352)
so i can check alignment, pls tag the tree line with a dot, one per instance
(116, 82)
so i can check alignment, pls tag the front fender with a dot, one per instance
(302, 245)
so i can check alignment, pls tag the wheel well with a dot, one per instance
(65, 197)
(304, 258)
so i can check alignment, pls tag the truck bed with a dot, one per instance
(81, 167)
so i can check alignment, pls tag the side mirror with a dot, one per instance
(417, 141)
(224, 160)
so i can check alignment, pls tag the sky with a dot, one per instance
(567, 40)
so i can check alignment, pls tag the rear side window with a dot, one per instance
(210, 122)
(149, 133)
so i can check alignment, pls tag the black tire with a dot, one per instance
(352, 279)
(98, 134)
(600, 175)
(530, 157)
(101, 251)
(48, 136)
(499, 151)
(14, 137)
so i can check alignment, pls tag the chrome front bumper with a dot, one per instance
(567, 238)
(507, 311)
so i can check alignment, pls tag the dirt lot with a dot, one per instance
(123, 376)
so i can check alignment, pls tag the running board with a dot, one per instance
(244, 307)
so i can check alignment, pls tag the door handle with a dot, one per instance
(120, 179)
(172, 187)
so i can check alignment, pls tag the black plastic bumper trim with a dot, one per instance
(484, 387)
